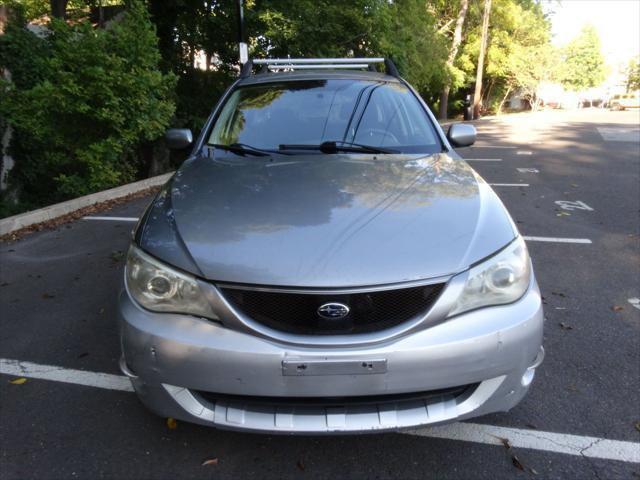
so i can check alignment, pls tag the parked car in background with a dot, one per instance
(624, 101)
(325, 262)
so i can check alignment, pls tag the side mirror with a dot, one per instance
(461, 134)
(178, 138)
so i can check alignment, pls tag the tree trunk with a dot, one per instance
(504, 99)
(534, 101)
(483, 46)
(455, 44)
(486, 96)
(100, 14)
(4, 16)
(192, 56)
(58, 8)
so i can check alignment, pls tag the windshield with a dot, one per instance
(378, 114)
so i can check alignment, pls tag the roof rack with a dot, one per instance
(277, 64)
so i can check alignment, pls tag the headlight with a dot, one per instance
(504, 278)
(158, 287)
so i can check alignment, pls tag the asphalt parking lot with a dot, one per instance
(571, 181)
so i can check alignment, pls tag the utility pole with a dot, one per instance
(244, 51)
(477, 96)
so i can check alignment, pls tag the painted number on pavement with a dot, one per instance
(569, 205)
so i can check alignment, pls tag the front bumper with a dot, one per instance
(171, 359)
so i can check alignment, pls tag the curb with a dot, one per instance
(448, 122)
(23, 220)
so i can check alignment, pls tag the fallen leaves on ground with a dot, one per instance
(505, 442)
(18, 381)
(515, 461)
(638, 426)
(83, 212)
(116, 256)
(172, 424)
(617, 308)
(300, 465)
(211, 461)
(565, 326)
(48, 296)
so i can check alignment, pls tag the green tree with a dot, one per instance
(519, 51)
(457, 12)
(33, 9)
(29, 9)
(523, 57)
(185, 28)
(309, 28)
(89, 102)
(405, 30)
(633, 75)
(583, 65)
(409, 34)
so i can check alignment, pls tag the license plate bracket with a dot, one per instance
(324, 366)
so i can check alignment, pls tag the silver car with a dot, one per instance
(324, 262)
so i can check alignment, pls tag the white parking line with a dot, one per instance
(524, 152)
(557, 240)
(113, 219)
(635, 302)
(591, 447)
(509, 184)
(59, 374)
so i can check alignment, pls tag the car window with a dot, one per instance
(381, 114)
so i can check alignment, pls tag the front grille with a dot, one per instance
(248, 400)
(298, 312)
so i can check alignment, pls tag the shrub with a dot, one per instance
(80, 102)
(197, 93)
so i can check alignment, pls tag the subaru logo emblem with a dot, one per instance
(333, 311)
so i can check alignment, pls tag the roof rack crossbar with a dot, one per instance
(309, 61)
(317, 66)
(277, 64)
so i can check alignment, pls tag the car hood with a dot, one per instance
(325, 220)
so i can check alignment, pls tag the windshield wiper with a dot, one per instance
(338, 146)
(242, 149)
